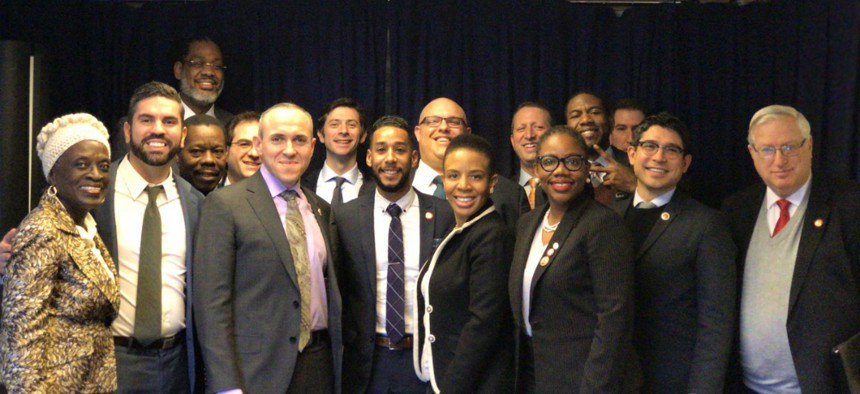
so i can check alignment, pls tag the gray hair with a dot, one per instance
(772, 112)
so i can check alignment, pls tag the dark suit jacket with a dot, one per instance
(685, 298)
(223, 115)
(824, 300)
(247, 293)
(540, 196)
(356, 271)
(191, 201)
(510, 200)
(368, 185)
(581, 301)
(470, 318)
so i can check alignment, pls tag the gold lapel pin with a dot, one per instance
(665, 216)
(428, 215)
(544, 261)
(818, 222)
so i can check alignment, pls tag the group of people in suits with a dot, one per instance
(425, 270)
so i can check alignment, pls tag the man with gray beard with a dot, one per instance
(199, 67)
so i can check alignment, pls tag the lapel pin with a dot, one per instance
(555, 245)
(819, 222)
(428, 215)
(665, 216)
(550, 252)
(544, 261)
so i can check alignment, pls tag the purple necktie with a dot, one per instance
(394, 323)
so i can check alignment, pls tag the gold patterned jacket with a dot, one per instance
(58, 304)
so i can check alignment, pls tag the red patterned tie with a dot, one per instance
(783, 216)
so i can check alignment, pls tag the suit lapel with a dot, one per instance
(672, 210)
(428, 226)
(368, 240)
(525, 234)
(562, 233)
(263, 206)
(817, 211)
(104, 216)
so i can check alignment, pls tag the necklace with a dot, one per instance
(546, 226)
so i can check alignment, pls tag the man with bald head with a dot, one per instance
(586, 113)
(269, 305)
(441, 120)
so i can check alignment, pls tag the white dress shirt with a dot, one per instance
(423, 180)
(130, 200)
(535, 253)
(658, 201)
(795, 199)
(349, 189)
(410, 218)
(190, 112)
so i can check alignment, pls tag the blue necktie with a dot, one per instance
(440, 190)
(394, 323)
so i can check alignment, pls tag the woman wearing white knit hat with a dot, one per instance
(61, 293)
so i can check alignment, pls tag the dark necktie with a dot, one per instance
(394, 323)
(783, 216)
(299, 250)
(337, 195)
(440, 190)
(147, 311)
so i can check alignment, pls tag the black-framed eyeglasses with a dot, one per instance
(788, 150)
(650, 148)
(550, 162)
(435, 121)
(198, 64)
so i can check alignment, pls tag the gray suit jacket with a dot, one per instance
(191, 199)
(685, 298)
(247, 293)
(357, 276)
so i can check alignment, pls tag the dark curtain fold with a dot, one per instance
(713, 65)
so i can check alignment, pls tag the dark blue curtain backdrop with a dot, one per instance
(713, 65)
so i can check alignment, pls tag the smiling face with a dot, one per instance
(203, 158)
(199, 83)
(657, 174)
(585, 114)
(468, 182)
(561, 185)
(342, 132)
(81, 176)
(528, 125)
(391, 159)
(155, 131)
(784, 175)
(286, 144)
(432, 141)
(243, 159)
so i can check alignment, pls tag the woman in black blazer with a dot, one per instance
(571, 281)
(465, 331)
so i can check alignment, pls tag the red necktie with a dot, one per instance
(783, 216)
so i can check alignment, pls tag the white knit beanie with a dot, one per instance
(58, 136)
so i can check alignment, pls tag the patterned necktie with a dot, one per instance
(337, 195)
(147, 311)
(533, 182)
(394, 298)
(440, 190)
(299, 249)
(783, 216)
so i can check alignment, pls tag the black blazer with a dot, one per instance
(247, 299)
(510, 200)
(356, 271)
(685, 298)
(368, 185)
(470, 319)
(824, 300)
(191, 201)
(540, 195)
(581, 301)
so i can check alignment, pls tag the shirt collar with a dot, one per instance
(190, 112)
(658, 201)
(425, 174)
(380, 202)
(276, 187)
(524, 177)
(135, 184)
(795, 198)
(351, 176)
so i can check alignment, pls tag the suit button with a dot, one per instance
(292, 339)
(429, 309)
(296, 304)
(431, 339)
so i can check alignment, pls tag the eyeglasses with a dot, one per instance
(767, 152)
(198, 64)
(244, 145)
(549, 162)
(650, 148)
(452, 121)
